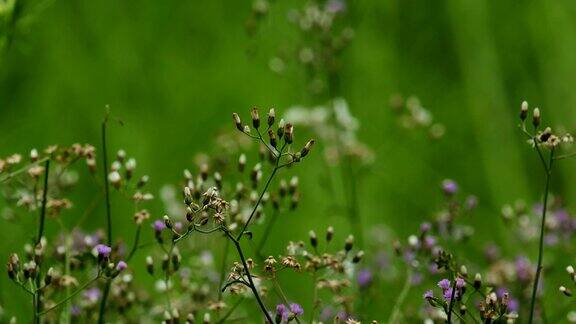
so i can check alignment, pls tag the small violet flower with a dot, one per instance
(103, 250)
(444, 284)
(159, 226)
(121, 266)
(364, 278)
(296, 309)
(450, 187)
(428, 294)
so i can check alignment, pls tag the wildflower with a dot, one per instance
(296, 309)
(103, 251)
(460, 283)
(448, 294)
(364, 278)
(121, 266)
(158, 226)
(444, 284)
(92, 295)
(428, 294)
(282, 313)
(449, 187)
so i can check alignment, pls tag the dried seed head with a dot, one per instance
(271, 117)
(246, 129)
(524, 111)
(238, 122)
(349, 243)
(91, 163)
(329, 233)
(313, 239)
(306, 149)
(536, 117)
(255, 118)
(289, 133)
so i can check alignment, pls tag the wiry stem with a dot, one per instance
(135, 245)
(548, 169)
(250, 281)
(102, 308)
(69, 296)
(396, 312)
(38, 292)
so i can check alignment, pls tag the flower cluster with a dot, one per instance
(412, 115)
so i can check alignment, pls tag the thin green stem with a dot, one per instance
(106, 184)
(23, 169)
(223, 268)
(76, 292)
(397, 310)
(38, 292)
(231, 311)
(548, 168)
(102, 309)
(136, 241)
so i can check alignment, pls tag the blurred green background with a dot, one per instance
(174, 71)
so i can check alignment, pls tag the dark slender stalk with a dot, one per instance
(38, 291)
(44, 202)
(102, 309)
(76, 292)
(451, 304)
(548, 168)
(250, 281)
(106, 184)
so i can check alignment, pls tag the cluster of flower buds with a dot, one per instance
(119, 179)
(543, 137)
(563, 289)
(284, 131)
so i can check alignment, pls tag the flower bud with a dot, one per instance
(168, 222)
(280, 131)
(477, 281)
(306, 149)
(115, 179)
(329, 233)
(187, 196)
(242, 162)
(313, 239)
(143, 181)
(272, 137)
(565, 291)
(524, 111)
(358, 257)
(238, 122)
(349, 243)
(34, 155)
(150, 265)
(271, 117)
(255, 118)
(536, 117)
(49, 276)
(288, 133)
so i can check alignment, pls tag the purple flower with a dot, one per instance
(327, 314)
(425, 227)
(296, 309)
(429, 242)
(450, 187)
(448, 294)
(364, 278)
(178, 226)
(92, 295)
(75, 311)
(335, 6)
(158, 226)
(513, 305)
(444, 284)
(428, 294)
(523, 269)
(103, 250)
(460, 283)
(121, 266)
(282, 312)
